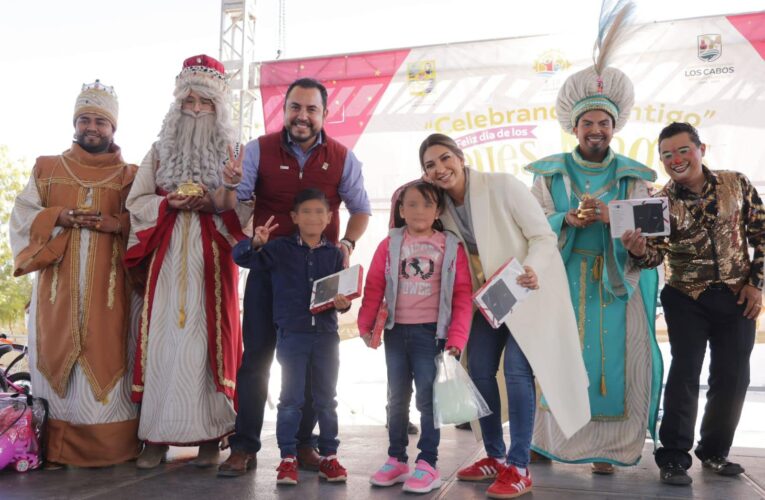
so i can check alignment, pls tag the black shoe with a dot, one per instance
(675, 475)
(411, 429)
(721, 466)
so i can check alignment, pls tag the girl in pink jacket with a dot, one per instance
(423, 275)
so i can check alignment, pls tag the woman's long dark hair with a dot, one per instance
(429, 192)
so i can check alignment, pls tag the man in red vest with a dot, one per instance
(276, 167)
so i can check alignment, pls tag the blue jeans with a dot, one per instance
(484, 349)
(316, 355)
(259, 334)
(410, 352)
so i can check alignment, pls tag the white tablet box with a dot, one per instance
(347, 282)
(501, 294)
(651, 215)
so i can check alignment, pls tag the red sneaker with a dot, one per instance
(486, 468)
(288, 472)
(510, 484)
(331, 470)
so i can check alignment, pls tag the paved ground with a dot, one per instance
(361, 397)
(362, 451)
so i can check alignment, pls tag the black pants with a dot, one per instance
(713, 318)
(259, 335)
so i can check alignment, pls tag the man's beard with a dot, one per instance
(312, 132)
(193, 155)
(101, 146)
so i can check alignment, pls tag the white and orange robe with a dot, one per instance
(79, 315)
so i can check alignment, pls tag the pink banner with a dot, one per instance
(355, 83)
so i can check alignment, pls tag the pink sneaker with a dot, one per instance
(390, 473)
(424, 479)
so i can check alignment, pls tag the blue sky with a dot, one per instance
(48, 48)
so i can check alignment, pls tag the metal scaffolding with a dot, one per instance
(237, 50)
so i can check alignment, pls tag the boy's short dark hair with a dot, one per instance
(307, 195)
(675, 128)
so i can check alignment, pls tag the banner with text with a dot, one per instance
(497, 98)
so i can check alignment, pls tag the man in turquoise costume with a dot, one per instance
(614, 300)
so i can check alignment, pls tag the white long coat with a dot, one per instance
(508, 222)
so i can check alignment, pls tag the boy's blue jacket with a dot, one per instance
(293, 266)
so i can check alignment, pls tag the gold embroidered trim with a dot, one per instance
(597, 194)
(637, 169)
(184, 281)
(582, 299)
(54, 283)
(610, 418)
(45, 184)
(90, 260)
(91, 184)
(596, 276)
(144, 330)
(218, 330)
(74, 310)
(113, 274)
(577, 157)
(100, 393)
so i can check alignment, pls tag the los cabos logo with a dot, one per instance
(550, 62)
(709, 47)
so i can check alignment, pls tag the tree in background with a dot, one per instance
(14, 292)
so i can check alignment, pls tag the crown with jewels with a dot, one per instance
(99, 99)
(201, 70)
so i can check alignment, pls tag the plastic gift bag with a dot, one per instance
(22, 424)
(456, 399)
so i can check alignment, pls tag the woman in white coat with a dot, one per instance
(497, 218)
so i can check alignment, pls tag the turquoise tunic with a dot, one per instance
(595, 264)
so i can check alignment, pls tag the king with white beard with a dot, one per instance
(183, 227)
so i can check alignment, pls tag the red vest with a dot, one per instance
(280, 180)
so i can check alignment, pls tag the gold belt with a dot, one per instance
(596, 277)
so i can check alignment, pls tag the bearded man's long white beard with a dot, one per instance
(194, 153)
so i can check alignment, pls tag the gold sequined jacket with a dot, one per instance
(710, 235)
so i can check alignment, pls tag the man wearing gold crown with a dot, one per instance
(69, 226)
(614, 300)
(183, 226)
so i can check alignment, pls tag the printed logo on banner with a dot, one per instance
(421, 76)
(709, 47)
(550, 62)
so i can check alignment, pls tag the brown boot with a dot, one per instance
(538, 458)
(237, 464)
(308, 459)
(603, 468)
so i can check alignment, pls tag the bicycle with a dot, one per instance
(20, 381)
